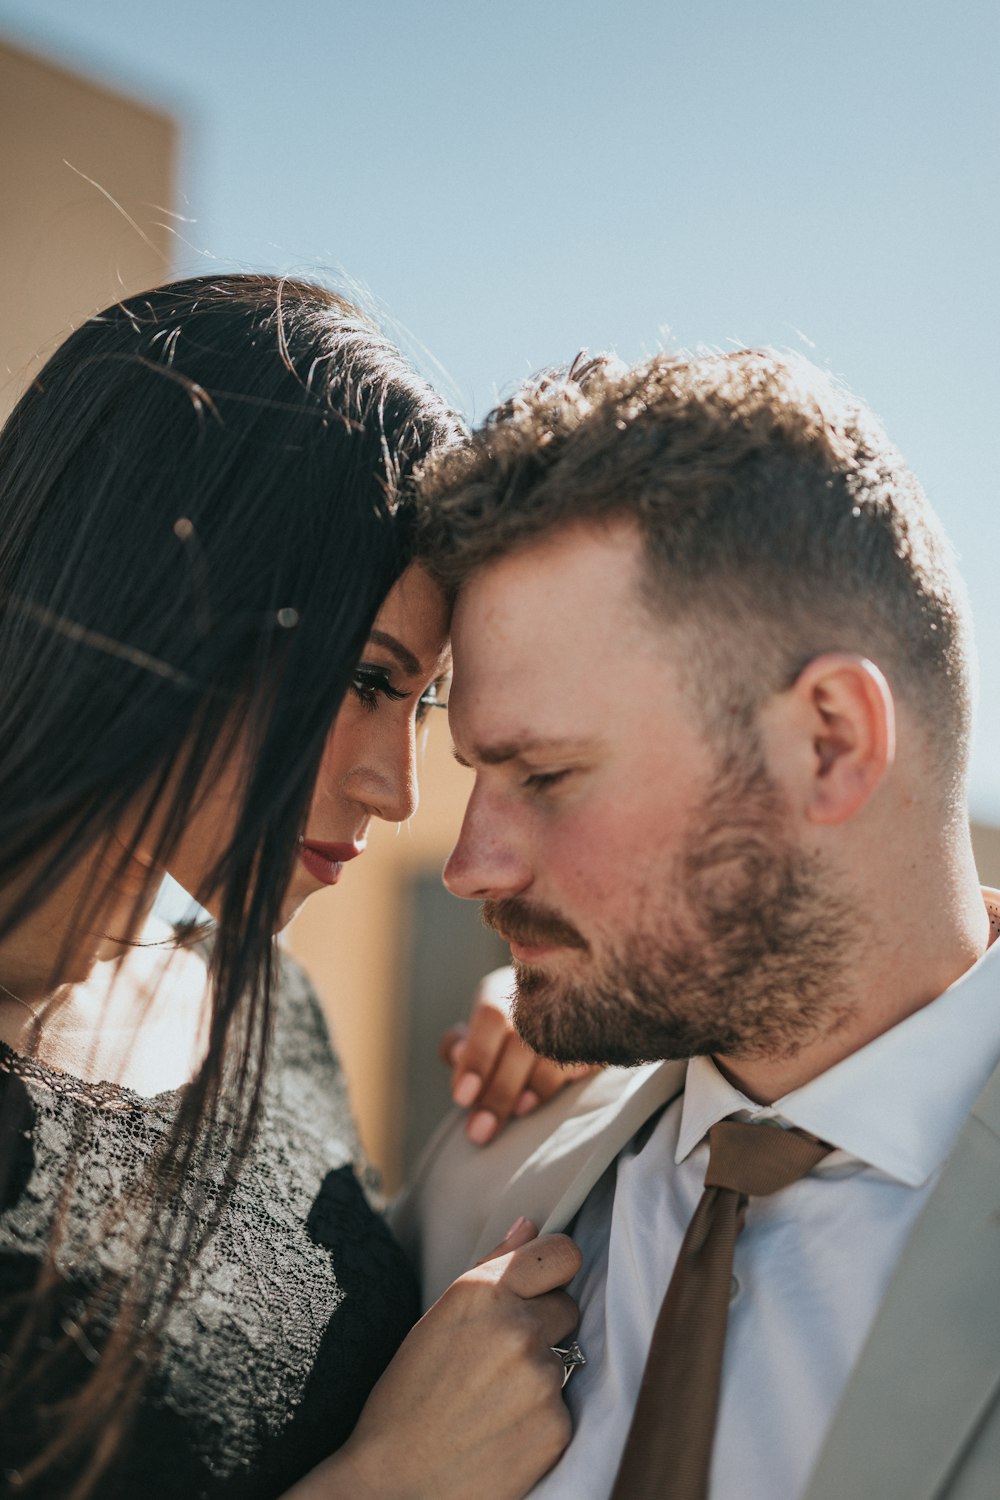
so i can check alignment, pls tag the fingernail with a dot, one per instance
(482, 1127)
(528, 1101)
(518, 1223)
(456, 1052)
(466, 1090)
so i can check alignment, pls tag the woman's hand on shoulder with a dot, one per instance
(472, 1403)
(494, 1074)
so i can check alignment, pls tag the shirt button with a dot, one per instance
(734, 1288)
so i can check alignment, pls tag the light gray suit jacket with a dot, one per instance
(920, 1419)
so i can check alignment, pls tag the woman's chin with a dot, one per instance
(295, 898)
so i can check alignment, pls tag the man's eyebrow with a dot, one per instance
(498, 755)
(402, 653)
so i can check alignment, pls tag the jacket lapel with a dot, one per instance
(568, 1162)
(931, 1365)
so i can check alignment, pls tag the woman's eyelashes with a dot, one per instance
(370, 683)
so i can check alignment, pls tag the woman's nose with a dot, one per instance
(387, 784)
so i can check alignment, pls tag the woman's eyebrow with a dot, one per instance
(403, 655)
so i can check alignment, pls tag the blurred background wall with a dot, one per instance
(513, 184)
(68, 247)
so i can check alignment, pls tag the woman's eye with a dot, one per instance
(371, 683)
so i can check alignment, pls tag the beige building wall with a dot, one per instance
(69, 246)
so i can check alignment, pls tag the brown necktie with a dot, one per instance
(669, 1446)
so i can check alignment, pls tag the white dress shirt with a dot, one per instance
(812, 1263)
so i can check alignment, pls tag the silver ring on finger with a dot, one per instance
(573, 1358)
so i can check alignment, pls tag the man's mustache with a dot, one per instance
(534, 926)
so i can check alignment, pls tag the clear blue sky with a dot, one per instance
(514, 181)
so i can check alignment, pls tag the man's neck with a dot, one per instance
(886, 983)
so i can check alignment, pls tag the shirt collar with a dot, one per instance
(898, 1103)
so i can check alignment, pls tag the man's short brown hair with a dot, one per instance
(777, 519)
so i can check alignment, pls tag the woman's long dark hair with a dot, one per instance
(203, 502)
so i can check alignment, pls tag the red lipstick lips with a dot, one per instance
(325, 861)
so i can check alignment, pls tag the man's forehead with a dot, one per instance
(575, 577)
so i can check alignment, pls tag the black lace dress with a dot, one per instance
(292, 1311)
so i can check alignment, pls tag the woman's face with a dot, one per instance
(369, 765)
(368, 768)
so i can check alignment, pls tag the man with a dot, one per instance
(712, 673)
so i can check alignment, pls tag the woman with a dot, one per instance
(205, 506)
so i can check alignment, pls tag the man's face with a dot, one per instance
(648, 880)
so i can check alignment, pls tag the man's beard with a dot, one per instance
(737, 953)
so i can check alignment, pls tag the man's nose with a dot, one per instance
(488, 861)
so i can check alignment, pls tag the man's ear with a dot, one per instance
(845, 705)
